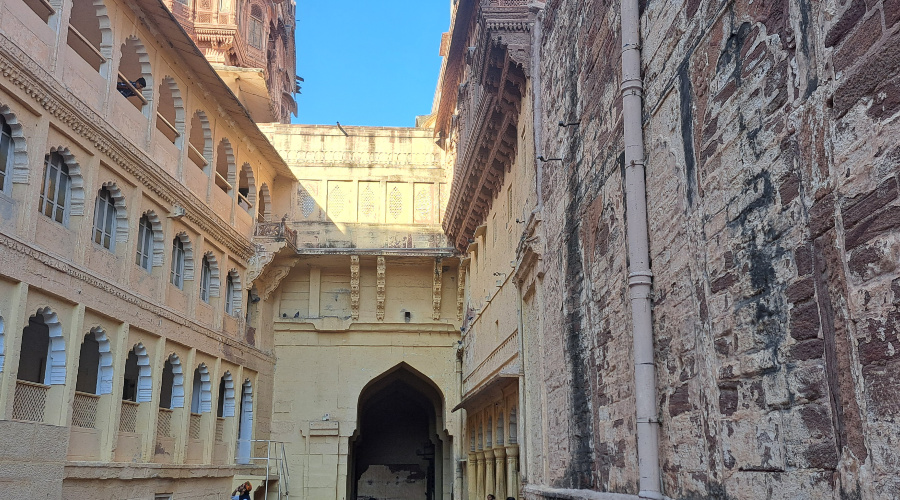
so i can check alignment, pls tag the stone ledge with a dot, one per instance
(128, 471)
(535, 492)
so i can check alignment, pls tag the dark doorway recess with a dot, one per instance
(397, 451)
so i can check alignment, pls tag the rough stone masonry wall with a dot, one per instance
(773, 146)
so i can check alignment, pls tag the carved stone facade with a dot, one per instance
(128, 354)
(251, 44)
(769, 132)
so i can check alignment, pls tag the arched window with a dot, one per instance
(225, 166)
(171, 390)
(177, 274)
(6, 153)
(137, 382)
(200, 142)
(134, 67)
(55, 191)
(255, 31)
(170, 111)
(43, 352)
(88, 377)
(89, 33)
(264, 210)
(144, 256)
(42, 362)
(233, 293)
(246, 188)
(201, 392)
(225, 404)
(105, 220)
(205, 277)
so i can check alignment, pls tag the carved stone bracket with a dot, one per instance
(436, 289)
(354, 287)
(461, 292)
(380, 289)
(489, 102)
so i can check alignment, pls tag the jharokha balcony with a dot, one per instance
(488, 65)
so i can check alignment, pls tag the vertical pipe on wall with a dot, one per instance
(640, 277)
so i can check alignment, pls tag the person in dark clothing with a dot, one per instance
(126, 91)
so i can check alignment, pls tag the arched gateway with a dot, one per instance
(400, 446)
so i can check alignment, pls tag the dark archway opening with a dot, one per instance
(397, 450)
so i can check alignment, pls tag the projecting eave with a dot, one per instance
(491, 390)
(230, 106)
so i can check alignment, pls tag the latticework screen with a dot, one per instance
(164, 423)
(220, 430)
(29, 401)
(84, 410)
(196, 418)
(128, 419)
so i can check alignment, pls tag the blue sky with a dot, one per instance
(368, 62)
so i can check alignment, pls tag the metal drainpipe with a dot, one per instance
(640, 277)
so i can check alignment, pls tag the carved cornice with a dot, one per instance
(35, 82)
(89, 278)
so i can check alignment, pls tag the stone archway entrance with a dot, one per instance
(397, 451)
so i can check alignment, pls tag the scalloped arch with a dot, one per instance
(19, 174)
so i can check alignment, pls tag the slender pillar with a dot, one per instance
(489, 484)
(512, 471)
(500, 454)
(479, 490)
(471, 473)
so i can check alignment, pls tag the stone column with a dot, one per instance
(479, 488)
(471, 474)
(512, 471)
(500, 453)
(489, 484)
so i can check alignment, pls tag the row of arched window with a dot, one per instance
(90, 36)
(42, 363)
(61, 191)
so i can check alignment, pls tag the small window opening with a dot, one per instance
(177, 274)
(255, 34)
(245, 187)
(132, 77)
(130, 379)
(225, 166)
(35, 351)
(168, 111)
(230, 293)
(200, 143)
(105, 220)
(56, 189)
(166, 386)
(144, 257)
(88, 365)
(205, 277)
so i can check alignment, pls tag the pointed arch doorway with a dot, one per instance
(400, 448)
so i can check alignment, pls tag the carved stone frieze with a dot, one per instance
(436, 289)
(354, 287)
(15, 245)
(34, 81)
(380, 289)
